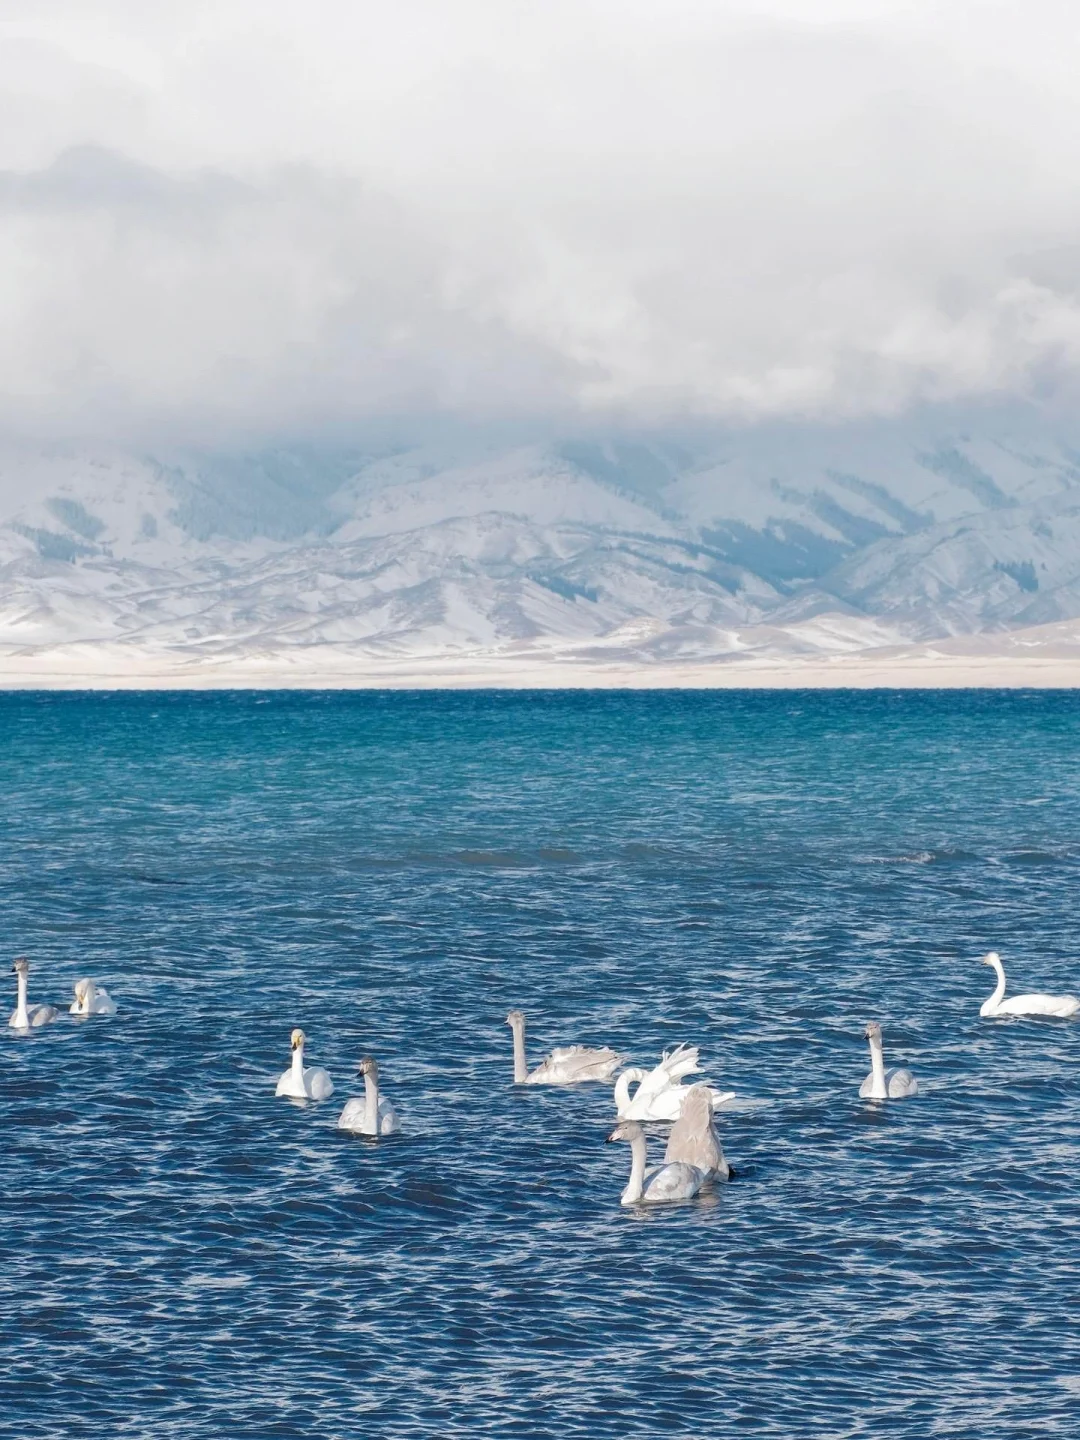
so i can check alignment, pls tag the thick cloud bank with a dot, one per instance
(250, 217)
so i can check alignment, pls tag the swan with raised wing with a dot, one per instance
(300, 1084)
(1061, 1006)
(662, 1186)
(569, 1065)
(373, 1115)
(26, 1016)
(882, 1084)
(91, 999)
(660, 1093)
(693, 1139)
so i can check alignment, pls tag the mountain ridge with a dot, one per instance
(910, 534)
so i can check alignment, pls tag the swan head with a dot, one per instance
(81, 987)
(873, 1031)
(297, 1039)
(368, 1067)
(991, 958)
(21, 966)
(516, 1019)
(625, 1130)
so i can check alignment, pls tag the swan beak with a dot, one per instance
(610, 1139)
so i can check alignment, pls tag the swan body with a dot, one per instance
(373, 1115)
(1061, 1006)
(25, 1016)
(663, 1186)
(882, 1084)
(693, 1139)
(300, 1084)
(568, 1065)
(659, 1094)
(92, 999)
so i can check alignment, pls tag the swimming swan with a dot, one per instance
(663, 1186)
(659, 1094)
(569, 1065)
(92, 999)
(28, 1017)
(374, 1115)
(693, 1139)
(1060, 1005)
(300, 1084)
(882, 1084)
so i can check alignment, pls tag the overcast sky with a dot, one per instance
(256, 218)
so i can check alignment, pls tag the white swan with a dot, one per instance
(300, 1084)
(92, 999)
(882, 1084)
(662, 1186)
(569, 1065)
(1060, 1005)
(659, 1094)
(693, 1139)
(374, 1115)
(24, 1016)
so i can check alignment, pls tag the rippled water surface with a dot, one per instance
(186, 1256)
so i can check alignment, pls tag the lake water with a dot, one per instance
(186, 1256)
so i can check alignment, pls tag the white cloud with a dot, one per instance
(255, 217)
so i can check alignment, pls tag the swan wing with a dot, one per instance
(1037, 1004)
(675, 1065)
(285, 1085)
(672, 1182)
(573, 1064)
(317, 1083)
(352, 1117)
(693, 1139)
(389, 1124)
(42, 1014)
(900, 1083)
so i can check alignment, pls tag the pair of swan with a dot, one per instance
(90, 999)
(898, 1084)
(1061, 1006)
(693, 1157)
(374, 1115)
(659, 1095)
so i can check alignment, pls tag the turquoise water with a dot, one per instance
(186, 1256)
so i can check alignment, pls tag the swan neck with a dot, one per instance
(521, 1070)
(21, 1016)
(371, 1102)
(632, 1075)
(999, 989)
(637, 1169)
(298, 1063)
(877, 1069)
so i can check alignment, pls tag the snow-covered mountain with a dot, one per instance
(788, 542)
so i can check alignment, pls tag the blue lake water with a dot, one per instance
(183, 1255)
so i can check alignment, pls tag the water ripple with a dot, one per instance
(187, 1256)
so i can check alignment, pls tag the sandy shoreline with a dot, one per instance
(946, 665)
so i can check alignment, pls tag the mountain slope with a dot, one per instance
(821, 541)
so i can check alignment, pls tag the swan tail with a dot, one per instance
(680, 1062)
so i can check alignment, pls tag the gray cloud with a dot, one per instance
(237, 220)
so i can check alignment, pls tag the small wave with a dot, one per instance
(217, 1282)
(922, 857)
(1032, 857)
